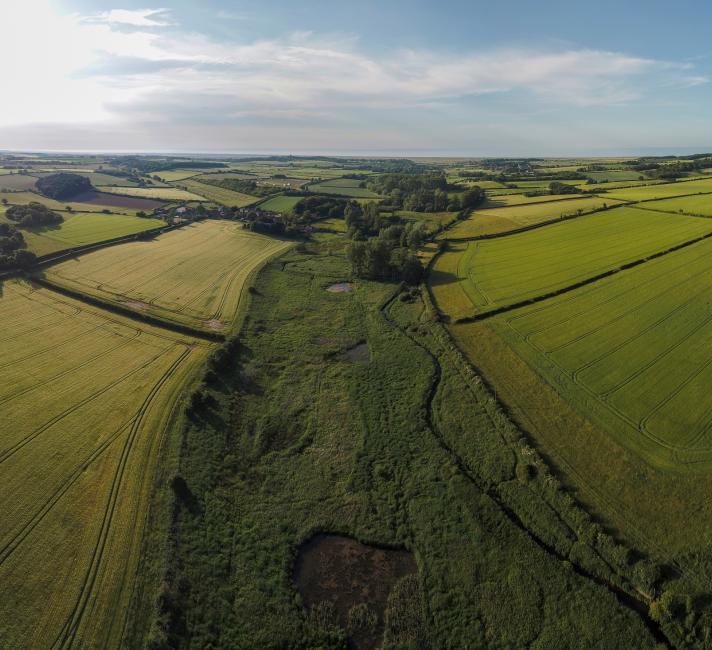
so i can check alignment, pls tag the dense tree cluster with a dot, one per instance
(557, 187)
(33, 215)
(152, 165)
(423, 193)
(12, 253)
(63, 185)
(312, 208)
(383, 252)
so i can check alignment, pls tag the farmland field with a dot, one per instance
(662, 190)
(498, 272)
(700, 204)
(17, 182)
(218, 194)
(283, 204)
(194, 276)
(343, 187)
(89, 396)
(80, 228)
(495, 220)
(616, 349)
(159, 193)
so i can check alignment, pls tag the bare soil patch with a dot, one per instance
(215, 324)
(340, 287)
(348, 583)
(116, 201)
(136, 304)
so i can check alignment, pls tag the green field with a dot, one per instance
(699, 204)
(284, 204)
(89, 396)
(218, 194)
(615, 175)
(627, 353)
(487, 221)
(81, 228)
(343, 187)
(503, 271)
(159, 193)
(661, 190)
(194, 275)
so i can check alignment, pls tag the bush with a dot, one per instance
(33, 215)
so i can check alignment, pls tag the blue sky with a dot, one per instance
(383, 78)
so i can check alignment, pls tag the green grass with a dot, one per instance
(627, 351)
(700, 204)
(218, 194)
(320, 442)
(662, 190)
(195, 275)
(86, 398)
(284, 204)
(488, 221)
(615, 175)
(82, 228)
(342, 187)
(159, 193)
(503, 271)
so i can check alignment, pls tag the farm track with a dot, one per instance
(69, 631)
(626, 599)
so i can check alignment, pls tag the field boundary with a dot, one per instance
(51, 258)
(577, 285)
(129, 313)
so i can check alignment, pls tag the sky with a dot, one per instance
(387, 77)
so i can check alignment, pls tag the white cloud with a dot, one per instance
(157, 76)
(135, 17)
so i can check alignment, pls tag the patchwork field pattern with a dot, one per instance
(194, 276)
(499, 272)
(628, 352)
(89, 396)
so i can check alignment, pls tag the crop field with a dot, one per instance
(662, 190)
(23, 198)
(284, 204)
(627, 352)
(159, 193)
(218, 194)
(505, 200)
(178, 174)
(615, 175)
(17, 182)
(193, 276)
(487, 221)
(698, 204)
(343, 187)
(504, 271)
(81, 228)
(89, 396)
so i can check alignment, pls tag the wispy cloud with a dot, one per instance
(125, 66)
(135, 17)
